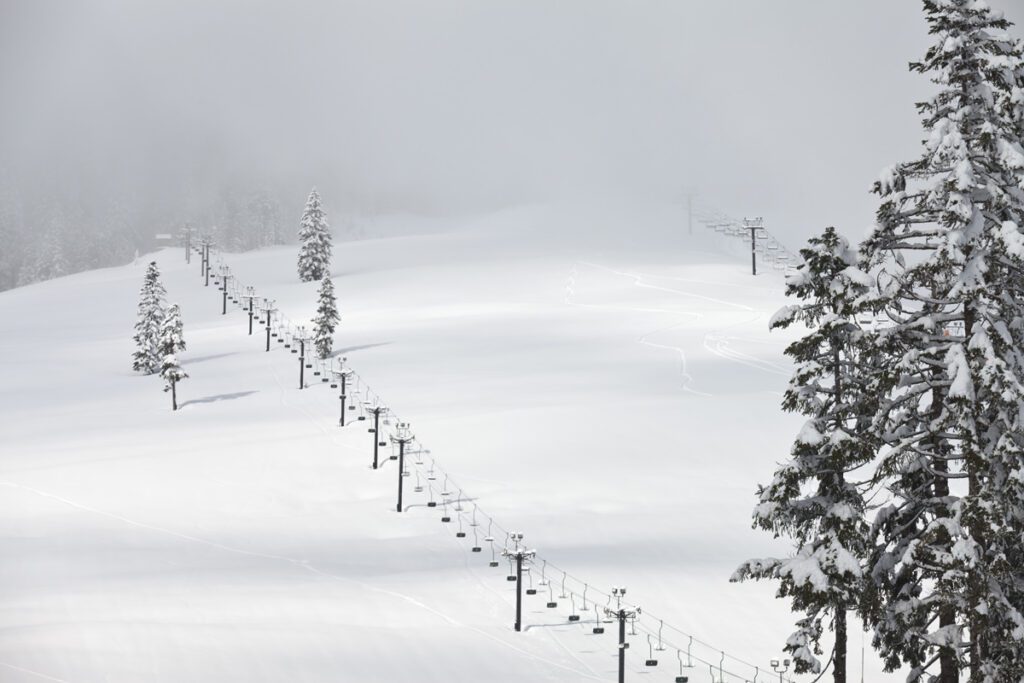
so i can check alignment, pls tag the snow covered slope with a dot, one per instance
(596, 379)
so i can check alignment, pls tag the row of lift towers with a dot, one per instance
(519, 556)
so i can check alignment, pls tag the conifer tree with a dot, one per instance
(146, 358)
(314, 241)
(326, 320)
(947, 577)
(810, 498)
(171, 344)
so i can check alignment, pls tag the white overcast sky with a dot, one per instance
(786, 108)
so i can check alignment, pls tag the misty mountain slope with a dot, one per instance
(567, 383)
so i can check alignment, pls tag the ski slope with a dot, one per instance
(593, 377)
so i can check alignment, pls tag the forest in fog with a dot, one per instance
(50, 234)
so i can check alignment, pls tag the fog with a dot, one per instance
(781, 109)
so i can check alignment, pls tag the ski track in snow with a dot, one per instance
(716, 344)
(687, 378)
(37, 674)
(305, 565)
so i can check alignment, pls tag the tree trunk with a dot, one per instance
(839, 664)
(174, 395)
(949, 669)
(839, 625)
(976, 622)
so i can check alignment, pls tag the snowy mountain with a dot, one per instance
(597, 379)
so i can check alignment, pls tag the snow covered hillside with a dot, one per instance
(596, 379)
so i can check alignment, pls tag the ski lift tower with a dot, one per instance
(187, 234)
(376, 411)
(754, 225)
(621, 614)
(402, 436)
(205, 261)
(303, 336)
(225, 275)
(520, 554)
(267, 308)
(250, 294)
(341, 376)
(780, 668)
(688, 195)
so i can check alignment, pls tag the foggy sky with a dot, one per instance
(786, 109)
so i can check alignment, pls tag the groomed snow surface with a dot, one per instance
(595, 378)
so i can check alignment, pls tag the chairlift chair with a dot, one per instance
(490, 539)
(531, 590)
(607, 611)
(573, 616)
(650, 661)
(597, 629)
(689, 663)
(460, 533)
(476, 543)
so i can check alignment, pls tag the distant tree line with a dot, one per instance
(47, 237)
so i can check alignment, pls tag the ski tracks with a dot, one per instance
(304, 565)
(30, 672)
(715, 342)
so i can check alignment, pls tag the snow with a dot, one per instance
(959, 372)
(809, 434)
(611, 393)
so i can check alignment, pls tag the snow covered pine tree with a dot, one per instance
(146, 358)
(171, 343)
(326, 320)
(810, 500)
(948, 566)
(314, 241)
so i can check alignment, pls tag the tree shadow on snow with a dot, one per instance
(200, 359)
(218, 397)
(350, 349)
